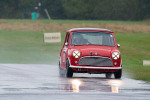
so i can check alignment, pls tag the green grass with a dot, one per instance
(23, 47)
(27, 47)
(78, 21)
(134, 49)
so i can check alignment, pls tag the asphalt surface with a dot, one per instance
(42, 82)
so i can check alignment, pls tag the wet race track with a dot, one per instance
(42, 82)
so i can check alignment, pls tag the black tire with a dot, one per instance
(108, 75)
(118, 74)
(69, 71)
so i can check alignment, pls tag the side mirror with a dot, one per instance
(118, 45)
(66, 44)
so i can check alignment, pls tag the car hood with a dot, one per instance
(94, 50)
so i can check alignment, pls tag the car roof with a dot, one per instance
(92, 29)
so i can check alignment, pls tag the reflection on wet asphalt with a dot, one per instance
(36, 82)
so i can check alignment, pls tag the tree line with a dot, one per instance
(78, 9)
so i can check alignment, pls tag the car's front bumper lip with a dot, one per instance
(92, 67)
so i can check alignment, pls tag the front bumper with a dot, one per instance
(92, 67)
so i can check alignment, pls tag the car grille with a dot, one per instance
(95, 61)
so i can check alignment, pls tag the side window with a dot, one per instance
(67, 38)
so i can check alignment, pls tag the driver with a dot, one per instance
(77, 39)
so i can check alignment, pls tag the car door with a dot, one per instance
(64, 51)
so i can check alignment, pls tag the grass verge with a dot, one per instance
(27, 47)
(134, 49)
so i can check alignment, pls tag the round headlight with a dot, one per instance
(115, 55)
(76, 54)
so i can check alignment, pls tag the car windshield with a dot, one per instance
(92, 38)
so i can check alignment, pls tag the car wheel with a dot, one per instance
(61, 71)
(69, 71)
(118, 74)
(108, 75)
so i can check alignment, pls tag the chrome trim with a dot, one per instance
(96, 67)
(95, 57)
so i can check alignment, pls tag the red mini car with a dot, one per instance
(90, 50)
